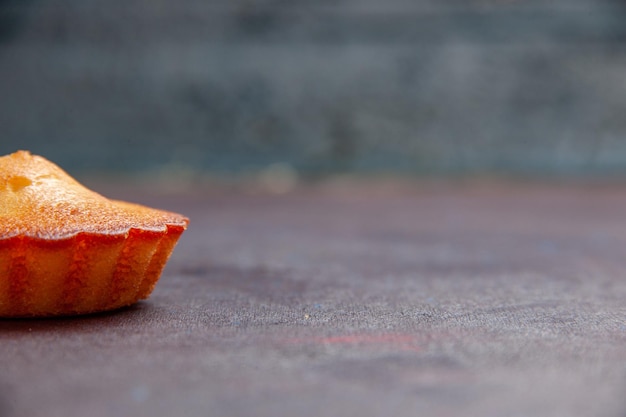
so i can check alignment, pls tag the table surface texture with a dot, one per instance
(353, 299)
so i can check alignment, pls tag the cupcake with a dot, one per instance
(66, 250)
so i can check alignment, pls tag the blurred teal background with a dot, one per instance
(423, 88)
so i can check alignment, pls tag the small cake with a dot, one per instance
(66, 250)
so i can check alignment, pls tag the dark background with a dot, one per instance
(425, 87)
(351, 298)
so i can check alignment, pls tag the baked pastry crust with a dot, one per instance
(67, 250)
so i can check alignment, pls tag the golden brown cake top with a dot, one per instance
(40, 200)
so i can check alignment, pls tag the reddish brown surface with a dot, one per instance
(403, 300)
(81, 274)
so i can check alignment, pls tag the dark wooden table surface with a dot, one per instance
(433, 299)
